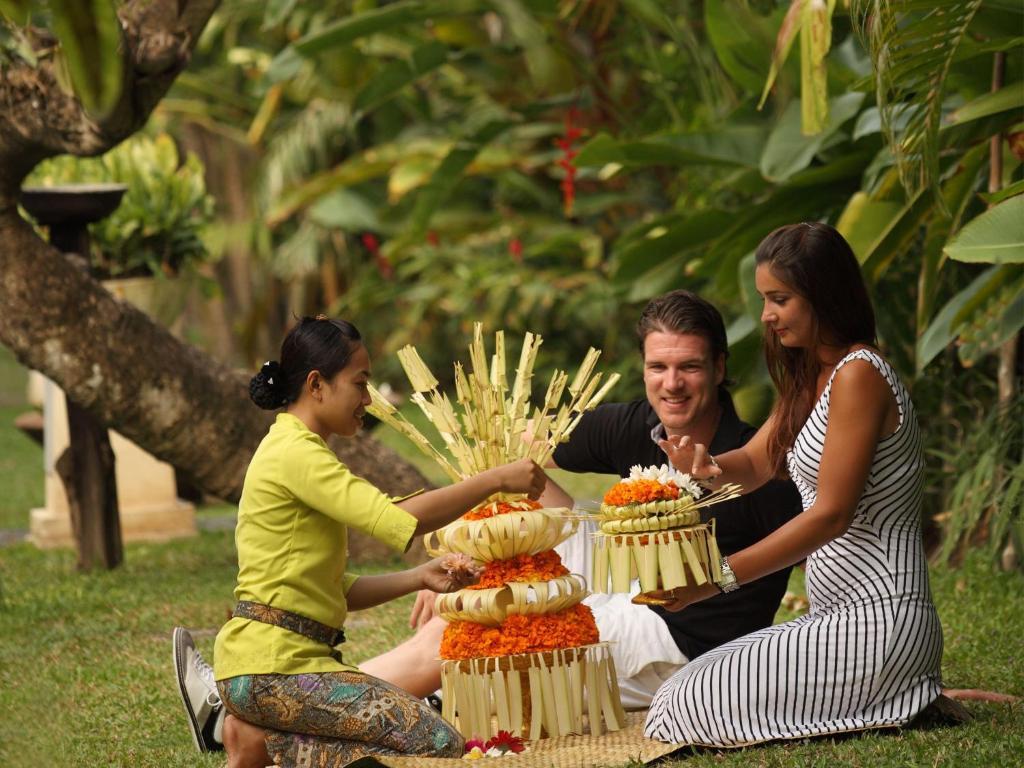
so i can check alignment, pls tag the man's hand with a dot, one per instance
(690, 457)
(422, 609)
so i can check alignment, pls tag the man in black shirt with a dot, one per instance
(682, 339)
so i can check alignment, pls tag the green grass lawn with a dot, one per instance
(87, 676)
(86, 659)
(21, 471)
(21, 459)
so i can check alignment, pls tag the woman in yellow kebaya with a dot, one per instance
(291, 698)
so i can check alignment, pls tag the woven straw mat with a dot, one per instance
(611, 749)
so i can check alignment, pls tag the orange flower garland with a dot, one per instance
(500, 508)
(570, 628)
(540, 567)
(640, 492)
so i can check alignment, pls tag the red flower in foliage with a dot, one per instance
(371, 243)
(505, 742)
(515, 250)
(566, 143)
(433, 239)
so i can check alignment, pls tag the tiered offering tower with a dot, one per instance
(521, 653)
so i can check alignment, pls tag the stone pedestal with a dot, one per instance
(149, 505)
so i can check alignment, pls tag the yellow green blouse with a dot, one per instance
(292, 538)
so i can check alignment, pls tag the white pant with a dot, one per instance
(645, 653)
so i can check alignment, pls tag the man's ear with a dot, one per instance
(720, 369)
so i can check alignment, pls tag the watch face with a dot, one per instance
(728, 583)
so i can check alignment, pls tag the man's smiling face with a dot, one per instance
(681, 379)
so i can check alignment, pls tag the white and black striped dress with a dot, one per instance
(867, 654)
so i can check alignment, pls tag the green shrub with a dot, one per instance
(157, 227)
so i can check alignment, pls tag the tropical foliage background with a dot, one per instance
(552, 164)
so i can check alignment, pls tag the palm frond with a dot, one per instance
(303, 148)
(492, 422)
(912, 45)
(299, 255)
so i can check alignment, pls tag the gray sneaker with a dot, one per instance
(198, 693)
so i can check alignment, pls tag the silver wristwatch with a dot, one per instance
(728, 583)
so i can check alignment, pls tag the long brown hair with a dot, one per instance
(817, 263)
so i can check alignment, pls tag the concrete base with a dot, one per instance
(150, 509)
(51, 530)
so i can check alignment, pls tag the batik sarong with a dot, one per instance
(329, 719)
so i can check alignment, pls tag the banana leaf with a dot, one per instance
(994, 237)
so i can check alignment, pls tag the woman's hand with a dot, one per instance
(441, 506)
(449, 573)
(690, 457)
(523, 476)
(680, 597)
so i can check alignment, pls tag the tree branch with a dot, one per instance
(38, 119)
(129, 372)
(132, 374)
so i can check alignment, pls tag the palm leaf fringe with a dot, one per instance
(912, 45)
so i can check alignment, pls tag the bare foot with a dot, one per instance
(244, 744)
(976, 694)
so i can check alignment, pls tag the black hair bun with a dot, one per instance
(267, 388)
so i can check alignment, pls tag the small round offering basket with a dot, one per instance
(660, 542)
(660, 559)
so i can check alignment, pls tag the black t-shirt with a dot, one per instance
(615, 436)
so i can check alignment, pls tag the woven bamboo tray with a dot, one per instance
(613, 748)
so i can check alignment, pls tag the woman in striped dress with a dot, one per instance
(867, 654)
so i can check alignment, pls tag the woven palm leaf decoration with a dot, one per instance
(521, 652)
(492, 423)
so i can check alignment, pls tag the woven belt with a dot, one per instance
(278, 617)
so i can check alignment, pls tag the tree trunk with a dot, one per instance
(130, 373)
(1006, 374)
(87, 470)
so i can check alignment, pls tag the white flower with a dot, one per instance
(665, 475)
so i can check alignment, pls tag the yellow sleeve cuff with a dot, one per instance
(395, 527)
(347, 580)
